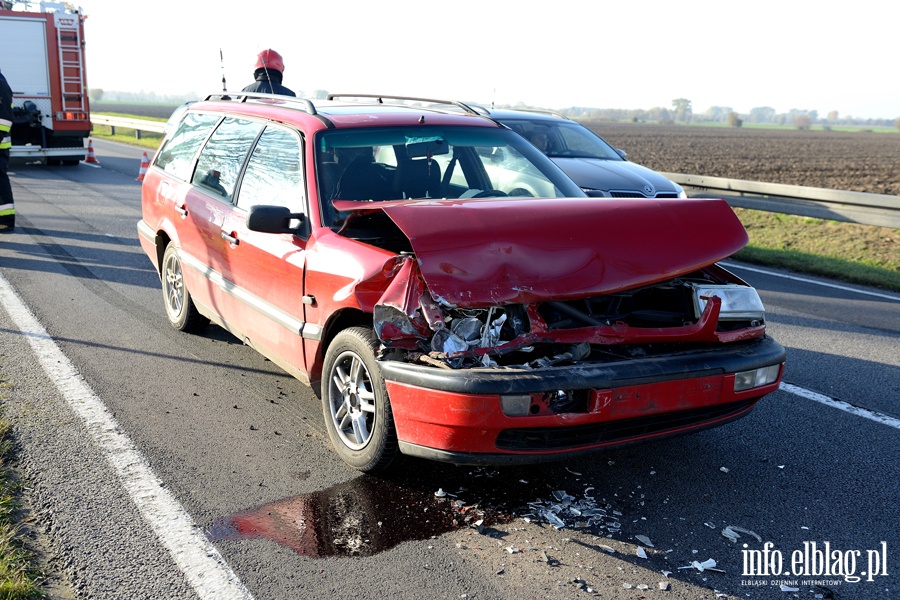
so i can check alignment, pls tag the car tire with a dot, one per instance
(355, 402)
(180, 309)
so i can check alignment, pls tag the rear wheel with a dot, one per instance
(180, 309)
(355, 402)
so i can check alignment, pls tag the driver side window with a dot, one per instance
(274, 174)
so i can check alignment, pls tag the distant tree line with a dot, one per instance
(99, 94)
(681, 112)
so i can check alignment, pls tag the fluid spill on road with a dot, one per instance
(361, 517)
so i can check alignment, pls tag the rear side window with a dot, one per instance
(223, 155)
(274, 172)
(176, 157)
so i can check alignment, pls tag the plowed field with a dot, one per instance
(862, 162)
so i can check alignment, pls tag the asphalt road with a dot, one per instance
(165, 465)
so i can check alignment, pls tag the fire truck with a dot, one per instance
(42, 57)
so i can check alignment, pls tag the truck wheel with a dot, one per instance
(180, 309)
(355, 402)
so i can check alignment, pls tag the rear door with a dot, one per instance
(172, 205)
(206, 206)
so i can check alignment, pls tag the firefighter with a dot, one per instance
(7, 210)
(268, 74)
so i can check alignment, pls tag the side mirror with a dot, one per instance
(273, 219)
(621, 152)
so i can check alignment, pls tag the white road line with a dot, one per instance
(813, 281)
(205, 569)
(841, 405)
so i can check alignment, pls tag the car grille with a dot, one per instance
(626, 430)
(636, 194)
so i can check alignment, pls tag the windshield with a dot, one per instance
(395, 163)
(561, 138)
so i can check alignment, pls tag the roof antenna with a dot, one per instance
(222, 62)
(268, 77)
(493, 98)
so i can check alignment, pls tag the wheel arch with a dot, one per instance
(339, 321)
(162, 241)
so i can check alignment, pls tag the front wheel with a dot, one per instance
(355, 402)
(180, 309)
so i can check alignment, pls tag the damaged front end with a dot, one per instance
(706, 307)
(533, 329)
(535, 283)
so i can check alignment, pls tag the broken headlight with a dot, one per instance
(739, 302)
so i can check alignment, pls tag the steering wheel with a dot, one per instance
(490, 194)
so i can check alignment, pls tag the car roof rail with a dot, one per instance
(487, 112)
(381, 97)
(301, 103)
(542, 111)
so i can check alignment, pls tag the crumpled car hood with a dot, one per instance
(514, 251)
(606, 175)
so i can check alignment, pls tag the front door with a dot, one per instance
(267, 269)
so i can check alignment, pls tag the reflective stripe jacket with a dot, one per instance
(6, 113)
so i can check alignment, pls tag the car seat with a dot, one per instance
(363, 179)
(418, 178)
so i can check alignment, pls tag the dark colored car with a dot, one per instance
(598, 168)
(442, 284)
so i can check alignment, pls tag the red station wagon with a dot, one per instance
(447, 291)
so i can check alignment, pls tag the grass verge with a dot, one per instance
(850, 252)
(148, 139)
(124, 135)
(18, 578)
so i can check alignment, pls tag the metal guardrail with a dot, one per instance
(138, 125)
(853, 207)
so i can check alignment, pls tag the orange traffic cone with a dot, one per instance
(91, 159)
(145, 164)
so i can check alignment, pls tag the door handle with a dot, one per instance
(231, 239)
(181, 211)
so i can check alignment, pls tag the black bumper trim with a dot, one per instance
(729, 358)
(609, 432)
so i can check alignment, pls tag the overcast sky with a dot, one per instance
(786, 54)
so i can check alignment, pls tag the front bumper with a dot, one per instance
(455, 415)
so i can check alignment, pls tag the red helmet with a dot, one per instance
(269, 59)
